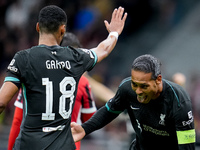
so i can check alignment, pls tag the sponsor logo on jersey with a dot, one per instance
(190, 117)
(88, 52)
(50, 129)
(155, 131)
(11, 67)
(162, 119)
(12, 62)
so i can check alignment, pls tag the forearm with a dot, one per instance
(101, 118)
(8, 90)
(105, 47)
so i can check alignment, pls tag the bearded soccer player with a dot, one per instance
(49, 76)
(160, 111)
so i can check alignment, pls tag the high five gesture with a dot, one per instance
(115, 28)
(117, 21)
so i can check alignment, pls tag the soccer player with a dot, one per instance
(49, 76)
(84, 106)
(160, 111)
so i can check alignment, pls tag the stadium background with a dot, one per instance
(168, 29)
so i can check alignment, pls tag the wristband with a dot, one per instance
(115, 34)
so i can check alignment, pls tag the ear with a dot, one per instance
(37, 27)
(62, 29)
(159, 79)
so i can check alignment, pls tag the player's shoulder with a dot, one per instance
(125, 81)
(174, 87)
(70, 48)
(74, 49)
(80, 51)
(21, 56)
(176, 91)
(125, 86)
(23, 52)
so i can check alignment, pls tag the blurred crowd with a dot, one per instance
(85, 18)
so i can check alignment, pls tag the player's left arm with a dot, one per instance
(184, 122)
(115, 28)
(101, 118)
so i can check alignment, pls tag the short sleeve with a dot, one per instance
(15, 69)
(90, 58)
(184, 123)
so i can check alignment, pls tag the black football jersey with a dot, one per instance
(49, 76)
(165, 123)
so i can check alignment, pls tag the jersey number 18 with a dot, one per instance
(49, 115)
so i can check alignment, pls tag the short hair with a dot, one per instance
(148, 64)
(50, 18)
(70, 39)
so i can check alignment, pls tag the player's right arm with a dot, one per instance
(116, 25)
(7, 91)
(12, 81)
(184, 120)
(185, 130)
(101, 118)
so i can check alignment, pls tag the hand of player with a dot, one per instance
(77, 131)
(117, 21)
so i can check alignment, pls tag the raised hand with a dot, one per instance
(117, 21)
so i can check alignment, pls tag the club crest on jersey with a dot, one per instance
(162, 119)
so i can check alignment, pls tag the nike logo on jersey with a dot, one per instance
(134, 108)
